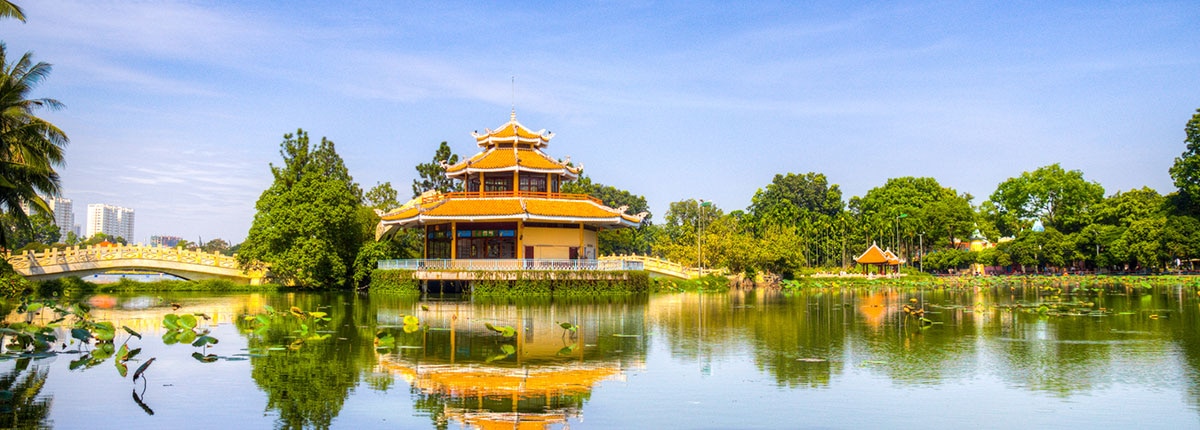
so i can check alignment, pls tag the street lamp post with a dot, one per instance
(700, 204)
(896, 228)
(921, 251)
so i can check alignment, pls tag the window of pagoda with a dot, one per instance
(498, 182)
(533, 182)
(486, 241)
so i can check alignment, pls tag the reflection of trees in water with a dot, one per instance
(899, 346)
(24, 408)
(786, 332)
(1064, 355)
(982, 331)
(1187, 333)
(308, 385)
(793, 333)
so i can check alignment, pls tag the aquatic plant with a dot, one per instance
(505, 331)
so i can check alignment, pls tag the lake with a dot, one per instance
(995, 357)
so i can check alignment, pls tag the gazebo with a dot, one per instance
(874, 256)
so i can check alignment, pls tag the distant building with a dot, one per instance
(167, 241)
(114, 221)
(64, 217)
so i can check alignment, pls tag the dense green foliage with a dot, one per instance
(308, 227)
(1186, 170)
(394, 281)
(797, 225)
(622, 241)
(40, 231)
(552, 283)
(710, 283)
(1059, 198)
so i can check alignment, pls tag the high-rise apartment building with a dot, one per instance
(112, 220)
(167, 241)
(64, 216)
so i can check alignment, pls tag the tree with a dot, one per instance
(433, 175)
(382, 197)
(809, 192)
(10, 10)
(621, 240)
(910, 205)
(1124, 208)
(1186, 170)
(1060, 198)
(307, 226)
(216, 245)
(30, 147)
(42, 230)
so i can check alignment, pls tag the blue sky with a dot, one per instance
(175, 108)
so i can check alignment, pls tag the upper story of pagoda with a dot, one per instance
(512, 160)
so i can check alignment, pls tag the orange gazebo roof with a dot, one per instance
(873, 255)
(892, 259)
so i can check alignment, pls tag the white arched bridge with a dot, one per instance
(76, 261)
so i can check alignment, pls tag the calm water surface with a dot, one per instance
(835, 358)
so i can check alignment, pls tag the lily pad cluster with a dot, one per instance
(184, 329)
(310, 324)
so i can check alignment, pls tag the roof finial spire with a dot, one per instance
(513, 115)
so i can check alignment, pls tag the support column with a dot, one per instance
(453, 240)
(580, 254)
(520, 240)
(425, 240)
(516, 181)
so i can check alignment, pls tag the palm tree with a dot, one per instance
(10, 10)
(30, 147)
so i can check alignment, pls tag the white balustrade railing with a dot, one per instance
(534, 264)
(75, 254)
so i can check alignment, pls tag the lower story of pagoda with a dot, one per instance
(510, 240)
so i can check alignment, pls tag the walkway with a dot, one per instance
(74, 261)
(443, 269)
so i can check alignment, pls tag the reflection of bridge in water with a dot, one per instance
(75, 261)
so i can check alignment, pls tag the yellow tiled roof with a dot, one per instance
(502, 158)
(466, 205)
(573, 208)
(513, 131)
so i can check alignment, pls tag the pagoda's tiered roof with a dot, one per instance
(507, 206)
(510, 147)
(512, 132)
(509, 159)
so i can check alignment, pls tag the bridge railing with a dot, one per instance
(511, 264)
(667, 267)
(75, 254)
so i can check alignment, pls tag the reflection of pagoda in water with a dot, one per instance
(539, 377)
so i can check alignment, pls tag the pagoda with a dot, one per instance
(511, 207)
